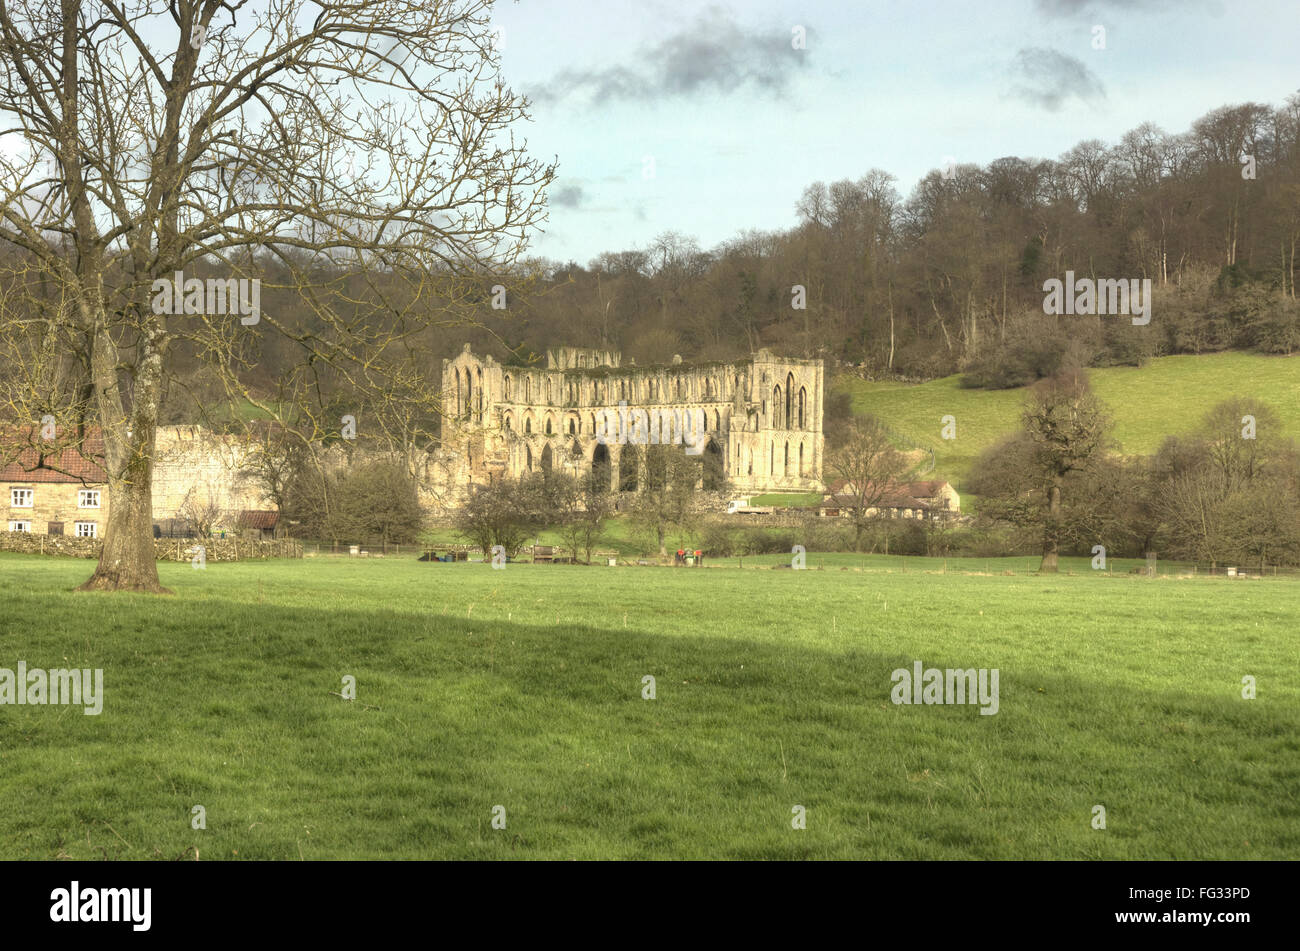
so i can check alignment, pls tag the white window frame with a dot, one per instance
(92, 526)
(16, 494)
(20, 525)
(88, 498)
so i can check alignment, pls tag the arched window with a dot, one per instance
(776, 408)
(528, 389)
(801, 460)
(548, 389)
(460, 396)
(548, 425)
(717, 421)
(803, 408)
(785, 469)
(573, 426)
(508, 422)
(789, 400)
(593, 424)
(528, 426)
(469, 394)
(507, 386)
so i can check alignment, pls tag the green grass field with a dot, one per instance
(522, 688)
(1168, 396)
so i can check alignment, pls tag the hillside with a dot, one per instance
(1168, 396)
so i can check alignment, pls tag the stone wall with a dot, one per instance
(165, 549)
(192, 462)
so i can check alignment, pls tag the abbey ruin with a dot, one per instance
(755, 424)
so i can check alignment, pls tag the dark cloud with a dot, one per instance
(569, 196)
(1074, 7)
(1048, 78)
(713, 54)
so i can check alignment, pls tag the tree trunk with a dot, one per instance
(891, 325)
(1051, 543)
(127, 562)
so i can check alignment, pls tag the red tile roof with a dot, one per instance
(80, 465)
(258, 518)
(914, 490)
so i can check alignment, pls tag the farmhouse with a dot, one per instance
(756, 423)
(925, 500)
(65, 492)
(57, 493)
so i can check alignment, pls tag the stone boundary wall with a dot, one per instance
(777, 519)
(165, 549)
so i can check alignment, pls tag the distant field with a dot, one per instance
(1168, 396)
(522, 689)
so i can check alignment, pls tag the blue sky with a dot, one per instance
(737, 122)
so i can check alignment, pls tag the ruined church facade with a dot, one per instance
(755, 424)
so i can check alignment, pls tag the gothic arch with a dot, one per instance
(714, 477)
(789, 401)
(629, 465)
(600, 465)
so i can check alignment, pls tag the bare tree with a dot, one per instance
(667, 498)
(358, 155)
(202, 509)
(581, 506)
(868, 468)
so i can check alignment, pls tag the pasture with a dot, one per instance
(522, 688)
(1168, 396)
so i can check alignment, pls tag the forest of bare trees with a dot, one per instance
(951, 277)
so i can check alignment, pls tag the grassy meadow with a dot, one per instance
(522, 688)
(1168, 396)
